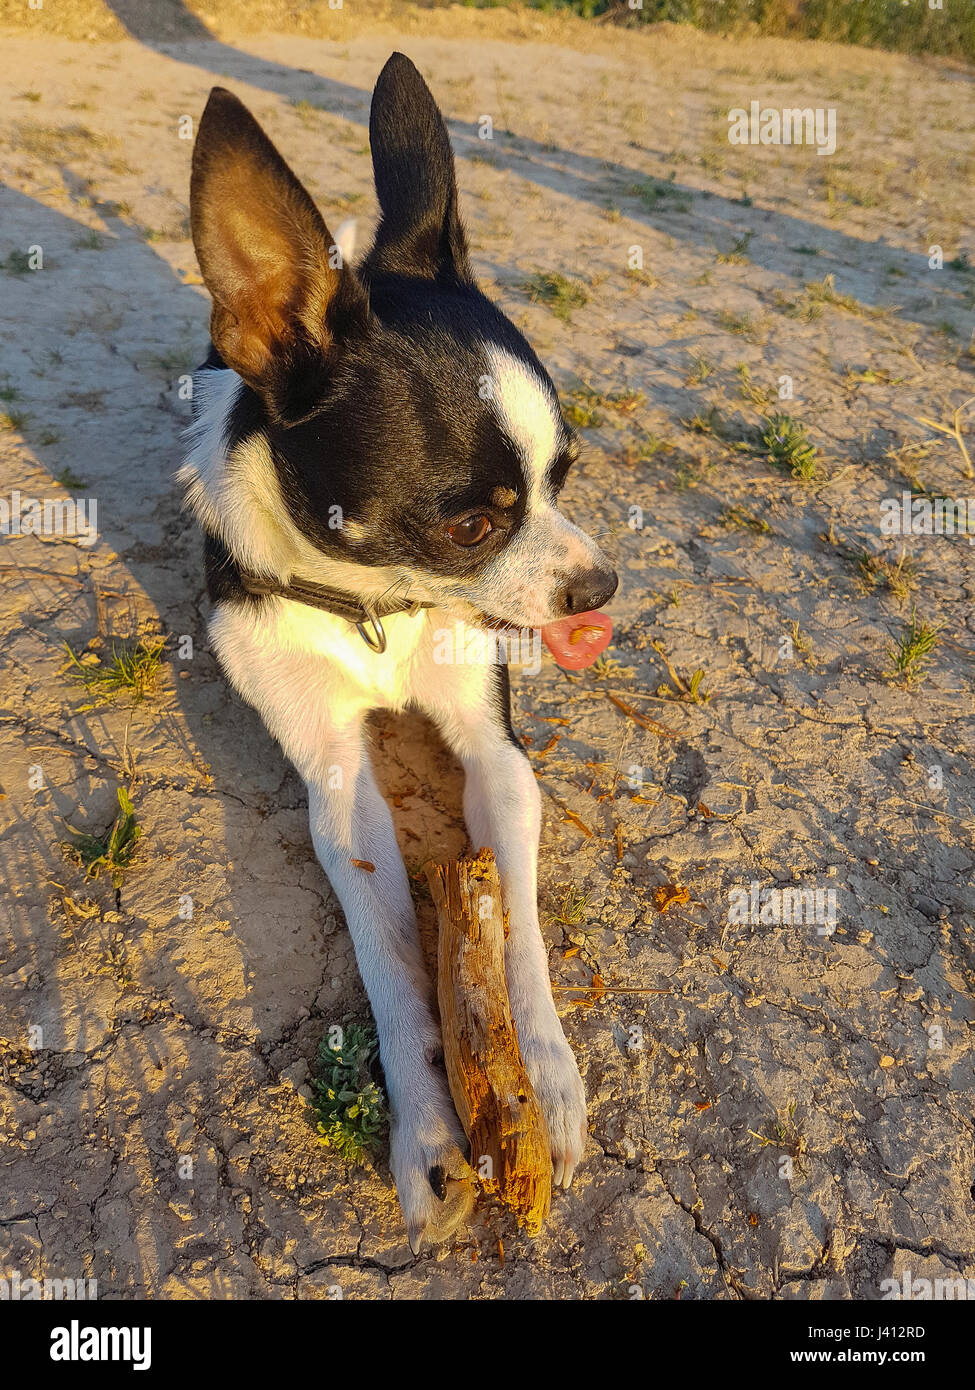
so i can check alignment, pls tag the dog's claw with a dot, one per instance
(564, 1175)
(434, 1183)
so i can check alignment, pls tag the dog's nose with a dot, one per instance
(590, 589)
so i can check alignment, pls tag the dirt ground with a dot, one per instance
(776, 1110)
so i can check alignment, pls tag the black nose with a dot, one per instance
(590, 589)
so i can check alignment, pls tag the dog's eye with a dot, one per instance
(471, 531)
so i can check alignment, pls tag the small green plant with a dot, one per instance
(134, 667)
(706, 422)
(152, 234)
(953, 431)
(690, 474)
(912, 649)
(59, 144)
(742, 325)
(871, 376)
(112, 853)
(738, 255)
(67, 478)
(651, 444)
(758, 395)
(348, 1106)
(702, 368)
(625, 402)
(800, 642)
(17, 263)
(176, 360)
(306, 110)
(642, 277)
(557, 292)
(655, 193)
(688, 691)
(116, 957)
(787, 1136)
(816, 293)
(744, 519)
(581, 410)
(788, 447)
(876, 571)
(572, 907)
(13, 420)
(606, 668)
(644, 448)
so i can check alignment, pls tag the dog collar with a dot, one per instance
(367, 618)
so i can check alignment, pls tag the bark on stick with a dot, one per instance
(490, 1088)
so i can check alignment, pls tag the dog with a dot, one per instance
(376, 452)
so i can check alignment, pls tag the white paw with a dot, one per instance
(552, 1070)
(434, 1183)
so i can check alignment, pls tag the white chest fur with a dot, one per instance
(284, 647)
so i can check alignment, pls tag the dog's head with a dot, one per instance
(393, 395)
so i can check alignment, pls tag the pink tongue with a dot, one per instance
(576, 642)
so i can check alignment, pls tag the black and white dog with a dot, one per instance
(376, 452)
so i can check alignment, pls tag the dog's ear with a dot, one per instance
(283, 301)
(420, 232)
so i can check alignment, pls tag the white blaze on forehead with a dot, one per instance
(528, 414)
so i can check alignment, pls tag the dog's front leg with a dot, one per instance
(318, 720)
(502, 809)
(352, 829)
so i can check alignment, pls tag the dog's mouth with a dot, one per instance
(575, 642)
(499, 624)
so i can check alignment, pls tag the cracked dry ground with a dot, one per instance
(848, 1054)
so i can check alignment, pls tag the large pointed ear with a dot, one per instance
(420, 232)
(283, 302)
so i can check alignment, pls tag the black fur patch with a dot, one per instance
(223, 574)
(403, 439)
(420, 232)
(501, 694)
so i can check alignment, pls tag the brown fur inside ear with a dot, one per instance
(263, 248)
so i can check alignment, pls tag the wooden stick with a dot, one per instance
(494, 1099)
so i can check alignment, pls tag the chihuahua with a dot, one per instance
(377, 453)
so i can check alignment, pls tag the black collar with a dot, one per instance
(365, 616)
